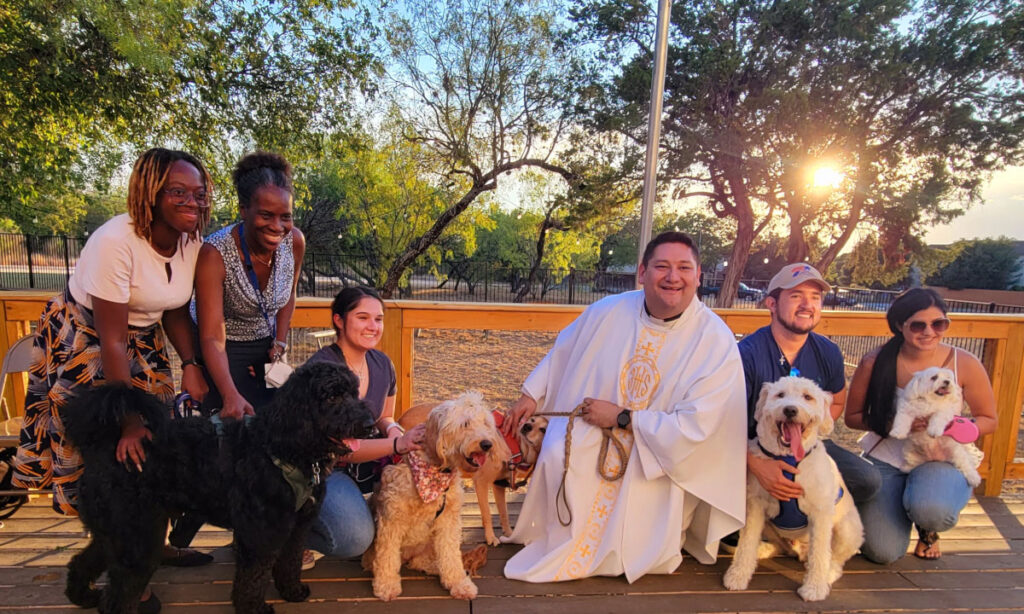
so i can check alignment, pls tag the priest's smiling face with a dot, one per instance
(670, 277)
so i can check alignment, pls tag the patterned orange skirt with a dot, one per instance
(67, 358)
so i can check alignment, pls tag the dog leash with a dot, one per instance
(602, 458)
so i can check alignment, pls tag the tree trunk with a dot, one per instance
(744, 215)
(421, 243)
(865, 179)
(538, 256)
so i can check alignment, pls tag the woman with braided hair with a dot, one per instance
(131, 284)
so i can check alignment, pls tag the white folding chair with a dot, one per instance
(17, 360)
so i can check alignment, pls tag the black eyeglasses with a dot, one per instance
(180, 197)
(939, 326)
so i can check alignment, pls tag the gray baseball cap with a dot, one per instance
(792, 275)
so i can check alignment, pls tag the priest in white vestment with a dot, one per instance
(666, 368)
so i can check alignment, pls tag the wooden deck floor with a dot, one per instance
(982, 570)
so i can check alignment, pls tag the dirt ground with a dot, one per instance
(448, 362)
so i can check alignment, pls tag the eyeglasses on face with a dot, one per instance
(179, 197)
(917, 326)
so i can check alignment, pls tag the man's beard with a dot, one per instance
(793, 327)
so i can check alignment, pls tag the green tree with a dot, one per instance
(369, 198)
(990, 264)
(481, 87)
(86, 81)
(913, 103)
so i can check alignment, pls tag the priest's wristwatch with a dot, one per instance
(622, 421)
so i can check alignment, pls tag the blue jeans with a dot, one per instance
(345, 526)
(860, 476)
(931, 497)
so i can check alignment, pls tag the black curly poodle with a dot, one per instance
(261, 479)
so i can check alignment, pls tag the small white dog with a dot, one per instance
(933, 394)
(821, 527)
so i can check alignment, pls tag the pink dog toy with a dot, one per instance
(961, 429)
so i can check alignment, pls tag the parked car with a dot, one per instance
(744, 292)
(748, 293)
(839, 298)
(707, 291)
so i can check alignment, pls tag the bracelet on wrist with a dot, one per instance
(394, 445)
(395, 425)
(281, 344)
(194, 362)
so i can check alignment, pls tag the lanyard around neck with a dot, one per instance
(251, 273)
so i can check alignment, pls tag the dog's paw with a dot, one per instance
(88, 597)
(299, 592)
(813, 592)
(735, 579)
(464, 590)
(492, 540)
(973, 478)
(387, 590)
(835, 573)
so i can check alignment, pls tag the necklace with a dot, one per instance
(261, 260)
(361, 373)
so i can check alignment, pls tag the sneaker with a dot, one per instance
(308, 560)
(729, 542)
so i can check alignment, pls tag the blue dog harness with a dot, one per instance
(790, 517)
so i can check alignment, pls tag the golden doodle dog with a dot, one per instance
(499, 475)
(502, 471)
(417, 508)
(821, 527)
(933, 394)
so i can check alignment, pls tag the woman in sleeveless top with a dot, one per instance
(245, 287)
(931, 495)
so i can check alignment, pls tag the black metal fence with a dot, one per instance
(46, 262)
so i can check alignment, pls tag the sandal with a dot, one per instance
(184, 557)
(930, 541)
(308, 560)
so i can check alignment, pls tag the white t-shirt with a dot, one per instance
(117, 265)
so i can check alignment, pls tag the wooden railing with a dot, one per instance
(1003, 355)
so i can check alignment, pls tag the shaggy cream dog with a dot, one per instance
(418, 505)
(933, 394)
(508, 473)
(791, 414)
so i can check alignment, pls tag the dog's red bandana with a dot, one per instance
(430, 481)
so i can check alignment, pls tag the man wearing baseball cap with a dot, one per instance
(787, 346)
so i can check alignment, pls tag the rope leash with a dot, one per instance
(602, 458)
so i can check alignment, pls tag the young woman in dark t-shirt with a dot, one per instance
(345, 526)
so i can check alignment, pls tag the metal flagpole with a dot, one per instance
(654, 130)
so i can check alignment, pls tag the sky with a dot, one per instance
(1001, 213)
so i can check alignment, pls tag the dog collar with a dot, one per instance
(789, 458)
(431, 482)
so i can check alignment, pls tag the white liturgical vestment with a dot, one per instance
(685, 480)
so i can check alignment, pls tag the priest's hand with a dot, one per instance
(518, 414)
(600, 413)
(768, 472)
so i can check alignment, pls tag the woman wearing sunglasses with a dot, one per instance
(932, 495)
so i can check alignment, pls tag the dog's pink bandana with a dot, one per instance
(430, 481)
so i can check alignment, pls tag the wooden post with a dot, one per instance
(1006, 381)
(397, 344)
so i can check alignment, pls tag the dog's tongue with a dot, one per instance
(795, 436)
(479, 458)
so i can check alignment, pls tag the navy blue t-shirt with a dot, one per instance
(819, 360)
